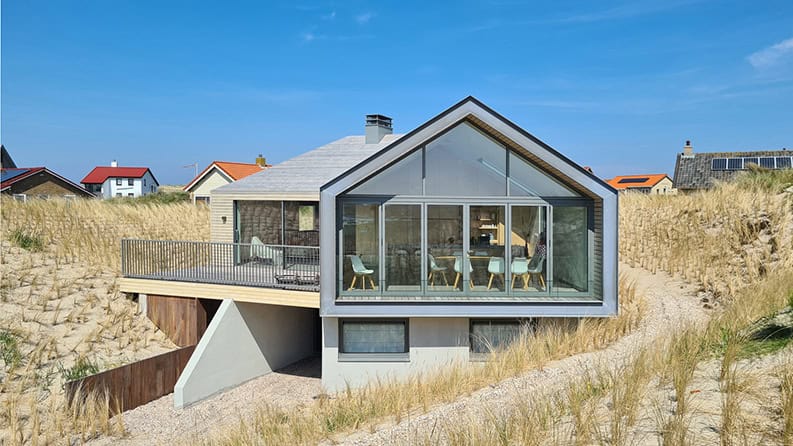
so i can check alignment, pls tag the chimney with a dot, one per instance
(113, 163)
(261, 161)
(377, 126)
(688, 150)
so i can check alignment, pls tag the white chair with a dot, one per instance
(458, 268)
(435, 269)
(260, 251)
(535, 268)
(520, 268)
(496, 268)
(361, 271)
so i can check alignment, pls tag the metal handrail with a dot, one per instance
(246, 264)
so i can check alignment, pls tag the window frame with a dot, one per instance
(118, 181)
(479, 356)
(403, 356)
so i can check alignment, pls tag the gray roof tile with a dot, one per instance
(694, 172)
(306, 173)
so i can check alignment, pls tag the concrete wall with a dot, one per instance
(242, 342)
(434, 343)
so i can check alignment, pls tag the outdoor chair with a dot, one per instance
(520, 268)
(435, 269)
(496, 268)
(361, 271)
(260, 251)
(458, 268)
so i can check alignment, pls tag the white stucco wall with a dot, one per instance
(110, 189)
(434, 343)
(244, 341)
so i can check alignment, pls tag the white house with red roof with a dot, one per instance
(115, 181)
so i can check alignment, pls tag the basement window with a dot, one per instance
(373, 340)
(488, 335)
(20, 197)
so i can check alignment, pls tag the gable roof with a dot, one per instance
(231, 170)
(102, 173)
(11, 176)
(5, 158)
(306, 173)
(695, 172)
(632, 181)
(504, 130)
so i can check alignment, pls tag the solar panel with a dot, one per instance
(718, 164)
(8, 174)
(783, 162)
(734, 163)
(752, 160)
(633, 180)
(767, 162)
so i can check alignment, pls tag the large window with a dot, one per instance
(464, 217)
(570, 248)
(360, 235)
(363, 336)
(259, 222)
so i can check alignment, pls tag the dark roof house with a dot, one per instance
(38, 182)
(696, 171)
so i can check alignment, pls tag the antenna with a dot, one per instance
(195, 168)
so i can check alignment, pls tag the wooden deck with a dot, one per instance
(241, 293)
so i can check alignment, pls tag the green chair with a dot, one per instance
(361, 271)
(496, 268)
(520, 268)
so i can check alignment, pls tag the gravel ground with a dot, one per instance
(670, 304)
(159, 423)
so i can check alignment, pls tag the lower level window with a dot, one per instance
(488, 335)
(376, 336)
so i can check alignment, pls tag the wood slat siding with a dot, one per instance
(182, 319)
(304, 299)
(221, 206)
(598, 263)
(135, 384)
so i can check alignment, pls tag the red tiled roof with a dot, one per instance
(234, 170)
(100, 174)
(630, 181)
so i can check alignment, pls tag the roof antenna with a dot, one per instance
(195, 168)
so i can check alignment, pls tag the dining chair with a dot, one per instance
(535, 268)
(434, 269)
(361, 271)
(520, 268)
(496, 268)
(458, 268)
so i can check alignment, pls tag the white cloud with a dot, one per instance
(330, 16)
(772, 55)
(364, 18)
(308, 37)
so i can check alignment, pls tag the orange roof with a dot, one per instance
(631, 181)
(235, 171)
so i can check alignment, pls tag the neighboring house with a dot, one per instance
(654, 184)
(220, 173)
(114, 181)
(5, 158)
(698, 171)
(385, 254)
(38, 182)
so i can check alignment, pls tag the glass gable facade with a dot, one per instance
(464, 217)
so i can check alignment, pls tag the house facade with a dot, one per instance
(652, 184)
(388, 254)
(120, 182)
(26, 183)
(702, 171)
(220, 173)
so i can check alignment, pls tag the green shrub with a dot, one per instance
(82, 368)
(9, 349)
(759, 178)
(155, 198)
(25, 240)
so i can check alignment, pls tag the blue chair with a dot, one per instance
(496, 268)
(458, 268)
(520, 268)
(535, 268)
(435, 269)
(361, 271)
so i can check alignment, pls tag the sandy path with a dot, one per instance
(670, 304)
(159, 423)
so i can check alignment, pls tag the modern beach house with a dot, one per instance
(385, 254)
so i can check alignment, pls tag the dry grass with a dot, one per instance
(60, 306)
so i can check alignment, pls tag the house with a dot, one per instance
(698, 171)
(220, 173)
(115, 181)
(24, 183)
(384, 254)
(654, 184)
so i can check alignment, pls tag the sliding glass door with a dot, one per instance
(402, 247)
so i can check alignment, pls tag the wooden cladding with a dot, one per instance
(134, 384)
(183, 319)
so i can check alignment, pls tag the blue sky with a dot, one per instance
(617, 85)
